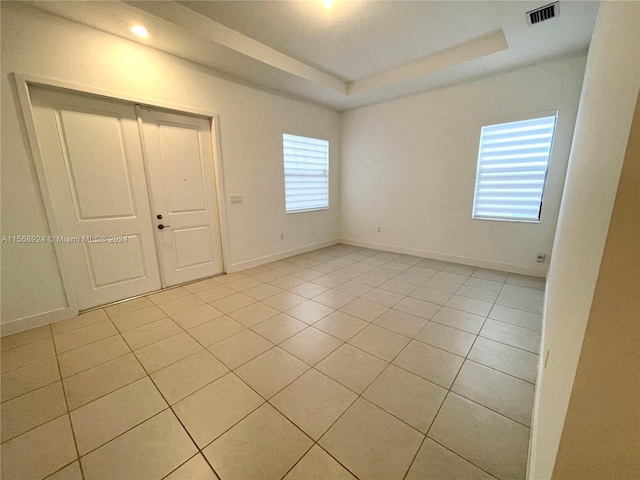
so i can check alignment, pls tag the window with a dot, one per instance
(306, 173)
(512, 169)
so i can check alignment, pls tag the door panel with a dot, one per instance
(179, 155)
(104, 173)
(182, 165)
(93, 163)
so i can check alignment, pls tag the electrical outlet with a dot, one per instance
(379, 229)
(540, 257)
(235, 198)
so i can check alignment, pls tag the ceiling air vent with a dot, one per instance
(543, 13)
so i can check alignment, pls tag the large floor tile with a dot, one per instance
(32, 410)
(511, 360)
(430, 295)
(352, 367)
(88, 385)
(308, 290)
(313, 402)
(240, 348)
(195, 468)
(188, 375)
(486, 281)
(495, 390)
(470, 305)
(311, 345)
(28, 336)
(83, 336)
(354, 288)
(284, 301)
(129, 306)
(446, 338)
(151, 333)
(492, 275)
(318, 465)
(201, 285)
(401, 322)
(70, 472)
(168, 294)
(151, 450)
(167, 351)
(419, 308)
(486, 439)
(532, 321)
(253, 314)
(233, 400)
(262, 291)
(288, 282)
(280, 327)
(216, 330)
(196, 316)
(334, 298)
(138, 318)
(104, 419)
(270, 372)
(406, 396)
(383, 297)
(265, 445)
(364, 309)
(26, 354)
(442, 285)
(39, 452)
(478, 293)
(380, 342)
(180, 304)
(511, 335)
(340, 325)
(80, 321)
(244, 284)
(30, 377)
(430, 363)
(438, 463)
(521, 303)
(233, 302)
(371, 443)
(398, 286)
(89, 356)
(309, 312)
(468, 322)
(526, 281)
(215, 293)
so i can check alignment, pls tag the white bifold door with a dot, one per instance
(111, 171)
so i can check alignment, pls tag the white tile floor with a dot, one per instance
(337, 364)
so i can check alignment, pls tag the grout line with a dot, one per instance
(66, 403)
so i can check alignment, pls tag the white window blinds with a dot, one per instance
(306, 173)
(512, 169)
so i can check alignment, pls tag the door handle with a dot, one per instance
(161, 226)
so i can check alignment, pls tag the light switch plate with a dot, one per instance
(235, 198)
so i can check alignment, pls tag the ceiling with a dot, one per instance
(353, 54)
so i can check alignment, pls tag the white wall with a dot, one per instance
(409, 166)
(611, 84)
(252, 123)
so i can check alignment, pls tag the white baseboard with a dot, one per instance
(476, 262)
(25, 323)
(236, 267)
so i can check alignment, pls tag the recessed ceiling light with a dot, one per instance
(328, 3)
(140, 31)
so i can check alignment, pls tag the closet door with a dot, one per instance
(179, 156)
(94, 169)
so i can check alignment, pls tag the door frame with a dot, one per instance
(23, 82)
